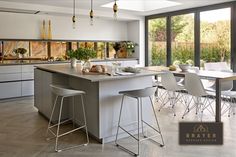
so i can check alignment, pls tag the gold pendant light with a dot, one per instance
(91, 14)
(73, 17)
(115, 9)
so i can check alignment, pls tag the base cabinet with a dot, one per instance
(10, 90)
(27, 88)
(18, 80)
(44, 98)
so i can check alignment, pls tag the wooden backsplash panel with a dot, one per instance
(58, 49)
(39, 49)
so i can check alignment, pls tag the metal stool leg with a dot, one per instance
(50, 120)
(157, 123)
(73, 113)
(141, 108)
(58, 126)
(137, 139)
(85, 123)
(118, 127)
(138, 126)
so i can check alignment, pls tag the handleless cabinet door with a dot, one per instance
(10, 90)
(27, 88)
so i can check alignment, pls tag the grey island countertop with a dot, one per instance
(76, 72)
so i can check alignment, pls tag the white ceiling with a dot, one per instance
(85, 5)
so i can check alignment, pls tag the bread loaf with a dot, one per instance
(98, 69)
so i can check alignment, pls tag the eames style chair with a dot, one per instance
(173, 90)
(199, 95)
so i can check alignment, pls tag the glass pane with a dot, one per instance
(86, 44)
(157, 41)
(182, 36)
(215, 36)
(39, 49)
(89, 45)
(1, 50)
(112, 51)
(9, 47)
(58, 49)
(101, 49)
(74, 45)
(82, 44)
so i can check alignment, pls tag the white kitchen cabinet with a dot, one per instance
(10, 73)
(10, 77)
(27, 88)
(10, 69)
(18, 80)
(10, 90)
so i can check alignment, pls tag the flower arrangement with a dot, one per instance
(21, 51)
(130, 47)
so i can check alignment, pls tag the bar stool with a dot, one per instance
(139, 94)
(63, 92)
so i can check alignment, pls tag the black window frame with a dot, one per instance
(196, 12)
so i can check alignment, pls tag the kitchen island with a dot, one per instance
(102, 100)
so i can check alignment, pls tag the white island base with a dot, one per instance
(102, 100)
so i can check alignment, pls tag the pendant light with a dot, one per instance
(73, 17)
(115, 9)
(91, 13)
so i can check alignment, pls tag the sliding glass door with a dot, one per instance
(182, 39)
(194, 36)
(157, 41)
(215, 36)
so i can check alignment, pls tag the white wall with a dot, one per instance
(136, 33)
(27, 26)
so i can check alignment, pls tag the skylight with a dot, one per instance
(142, 5)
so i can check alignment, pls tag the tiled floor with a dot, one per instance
(22, 132)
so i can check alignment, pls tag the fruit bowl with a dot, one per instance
(184, 67)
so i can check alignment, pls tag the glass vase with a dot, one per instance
(73, 62)
(85, 65)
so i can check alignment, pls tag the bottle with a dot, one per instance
(43, 31)
(49, 30)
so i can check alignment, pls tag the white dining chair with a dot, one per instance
(173, 90)
(200, 96)
(226, 94)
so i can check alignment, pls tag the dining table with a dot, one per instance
(218, 76)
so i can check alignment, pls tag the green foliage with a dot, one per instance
(83, 54)
(215, 40)
(71, 54)
(157, 27)
(182, 54)
(158, 56)
(20, 51)
(130, 47)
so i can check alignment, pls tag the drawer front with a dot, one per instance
(10, 77)
(27, 88)
(27, 68)
(10, 69)
(28, 75)
(10, 90)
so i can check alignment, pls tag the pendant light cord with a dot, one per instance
(74, 8)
